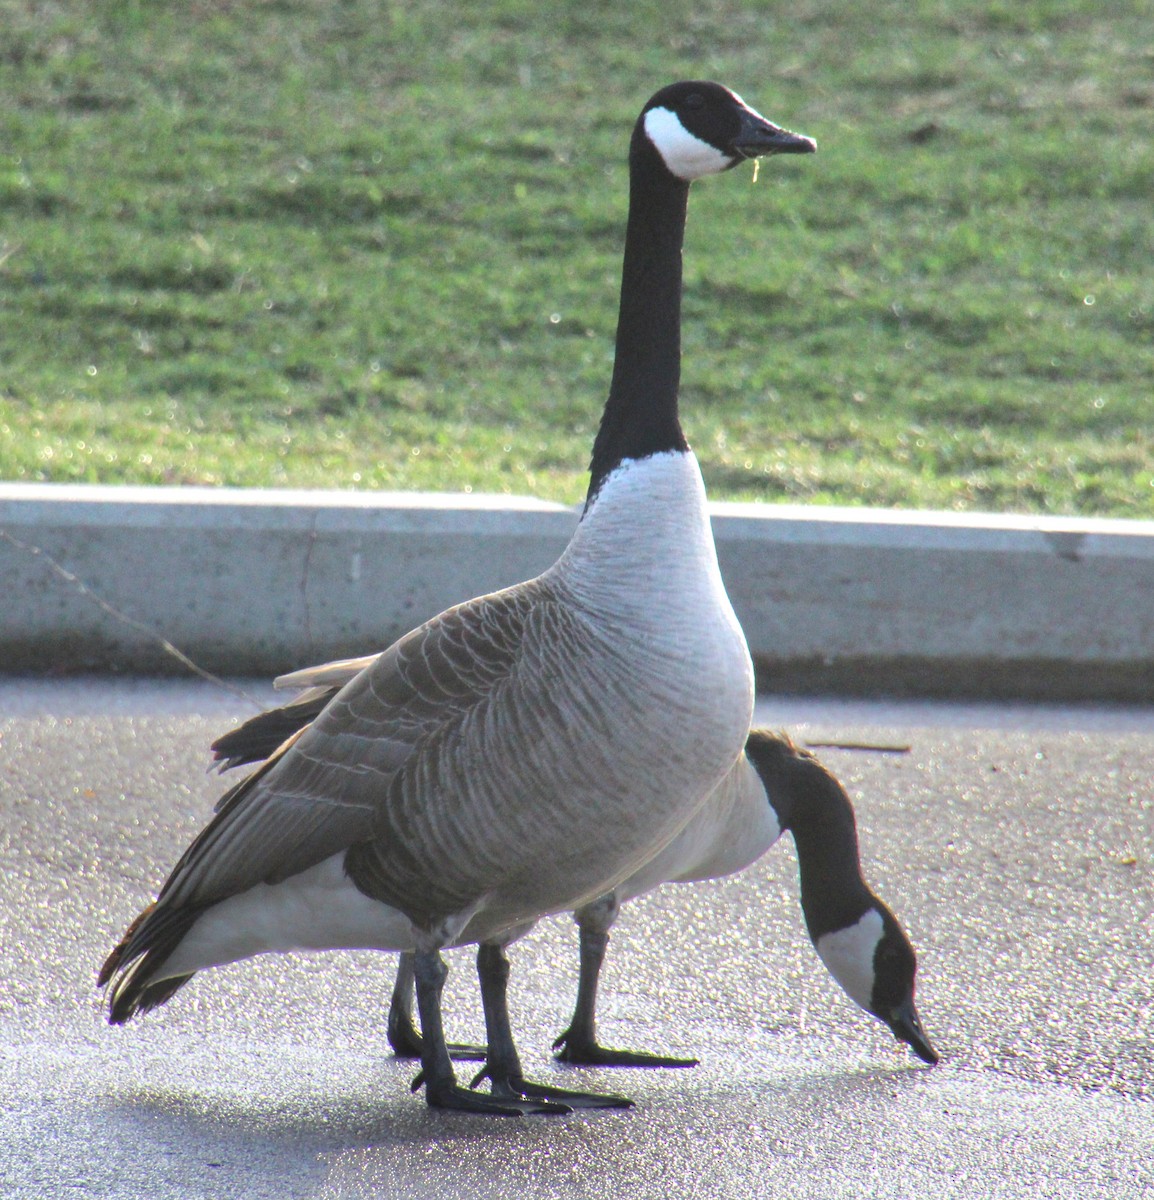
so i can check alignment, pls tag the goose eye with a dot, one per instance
(694, 100)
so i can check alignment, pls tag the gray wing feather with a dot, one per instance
(323, 790)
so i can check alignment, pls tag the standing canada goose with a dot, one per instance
(773, 787)
(514, 756)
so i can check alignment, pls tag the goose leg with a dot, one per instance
(402, 1032)
(503, 1067)
(578, 1044)
(441, 1087)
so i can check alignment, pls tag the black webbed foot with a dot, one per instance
(587, 1053)
(454, 1098)
(516, 1086)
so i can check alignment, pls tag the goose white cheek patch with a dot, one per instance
(686, 156)
(848, 955)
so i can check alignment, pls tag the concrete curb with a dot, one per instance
(854, 601)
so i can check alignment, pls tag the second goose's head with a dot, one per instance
(700, 128)
(875, 964)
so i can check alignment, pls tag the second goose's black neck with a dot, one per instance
(809, 801)
(640, 416)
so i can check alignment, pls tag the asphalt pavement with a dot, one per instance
(1016, 844)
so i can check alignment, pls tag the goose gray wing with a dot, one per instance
(323, 790)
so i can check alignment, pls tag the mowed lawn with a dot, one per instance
(338, 243)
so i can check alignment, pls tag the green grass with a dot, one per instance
(352, 244)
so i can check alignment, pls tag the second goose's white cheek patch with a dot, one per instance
(686, 156)
(848, 955)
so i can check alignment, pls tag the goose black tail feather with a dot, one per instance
(140, 955)
(130, 998)
(261, 736)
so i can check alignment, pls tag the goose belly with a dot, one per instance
(318, 909)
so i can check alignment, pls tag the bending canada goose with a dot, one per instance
(773, 787)
(513, 756)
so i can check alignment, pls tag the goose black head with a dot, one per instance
(875, 964)
(700, 128)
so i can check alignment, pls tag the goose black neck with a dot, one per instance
(833, 893)
(809, 801)
(640, 416)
